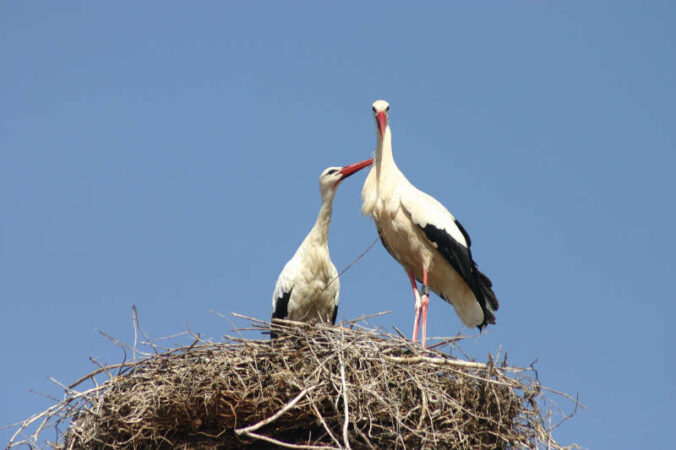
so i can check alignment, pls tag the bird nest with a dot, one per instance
(314, 387)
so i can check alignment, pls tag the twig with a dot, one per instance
(195, 336)
(346, 408)
(120, 344)
(137, 325)
(326, 427)
(48, 413)
(361, 255)
(277, 415)
(363, 318)
(134, 322)
(398, 331)
(58, 383)
(445, 341)
(444, 361)
(563, 394)
(33, 391)
(287, 445)
(102, 369)
(242, 316)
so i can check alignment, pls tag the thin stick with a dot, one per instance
(326, 427)
(277, 415)
(576, 401)
(134, 322)
(364, 317)
(102, 369)
(368, 249)
(124, 364)
(171, 336)
(57, 382)
(346, 409)
(401, 335)
(148, 341)
(51, 397)
(197, 336)
(449, 362)
(445, 341)
(120, 344)
(242, 316)
(285, 445)
(48, 413)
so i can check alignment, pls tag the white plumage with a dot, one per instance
(424, 238)
(308, 287)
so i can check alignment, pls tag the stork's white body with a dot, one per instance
(307, 289)
(309, 279)
(423, 236)
(397, 209)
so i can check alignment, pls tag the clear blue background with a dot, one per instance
(166, 155)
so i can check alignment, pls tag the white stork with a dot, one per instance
(424, 238)
(308, 287)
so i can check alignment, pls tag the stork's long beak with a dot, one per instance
(381, 118)
(353, 168)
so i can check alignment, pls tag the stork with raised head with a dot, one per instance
(308, 287)
(424, 238)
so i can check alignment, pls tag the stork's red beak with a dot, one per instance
(381, 118)
(353, 168)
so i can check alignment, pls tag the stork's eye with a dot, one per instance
(374, 109)
(332, 171)
(388, 108)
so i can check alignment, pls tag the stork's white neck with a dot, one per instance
(384, 161)
(320, 231)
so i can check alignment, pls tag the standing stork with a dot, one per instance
(424, 238)
(308, 287)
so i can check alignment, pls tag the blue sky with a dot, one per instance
(166, 155)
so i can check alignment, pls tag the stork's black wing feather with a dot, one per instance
(460, 258)
(281, 308)
(282, 305)
(453, 251)
(464, 232)
(335, 314)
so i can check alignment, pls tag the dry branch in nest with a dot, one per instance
(315, 387)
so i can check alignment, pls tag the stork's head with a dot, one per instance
(332, 176)
(381, 111)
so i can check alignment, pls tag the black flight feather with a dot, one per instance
(335, 314)
(281, 309)
(460, 258)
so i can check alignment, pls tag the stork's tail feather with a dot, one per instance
(486, 286)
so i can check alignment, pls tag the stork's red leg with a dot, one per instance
(416, 321)
(425, 300)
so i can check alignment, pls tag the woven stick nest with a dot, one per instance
(314, 387)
